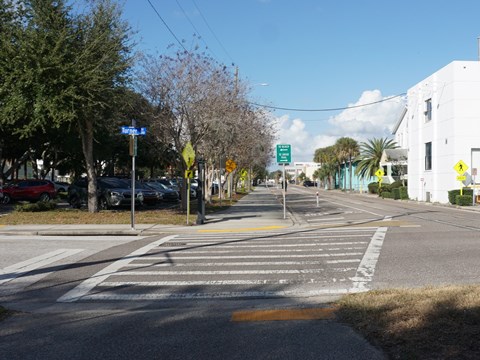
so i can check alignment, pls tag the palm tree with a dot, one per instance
(347, 148)
(370, 155)
(327, 160)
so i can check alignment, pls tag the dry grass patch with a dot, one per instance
(170, 216)
(426, 323)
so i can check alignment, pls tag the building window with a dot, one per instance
(428, 156)
(428, 110)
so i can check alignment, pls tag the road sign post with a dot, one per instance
(284, 157)
(188, 155)
(133, 132)
(379, 173)
(460, 167)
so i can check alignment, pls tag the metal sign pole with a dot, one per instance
(284, 193)
(132, 212)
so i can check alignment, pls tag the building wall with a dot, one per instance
(453, 131)
(306, 167)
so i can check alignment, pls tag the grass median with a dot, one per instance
(171, 215)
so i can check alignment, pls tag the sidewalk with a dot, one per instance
(258, 210)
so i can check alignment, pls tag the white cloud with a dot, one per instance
(366, 122)
(360, 123)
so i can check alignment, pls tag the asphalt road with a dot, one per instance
(173, 296)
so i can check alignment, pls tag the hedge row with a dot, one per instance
(452, 195)
(391, 191)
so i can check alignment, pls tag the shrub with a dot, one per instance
(464, 200)
(452, 194)
(396, 193)
(403, 192)
(373, 188)
(36, 207)
(387, 195)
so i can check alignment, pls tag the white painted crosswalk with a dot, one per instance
(275, 264)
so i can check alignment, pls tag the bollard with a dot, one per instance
(317, 200)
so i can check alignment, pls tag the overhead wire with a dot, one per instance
(195, 28)
(327, 109)
(226, 52)
(213, 33)
(166, 25)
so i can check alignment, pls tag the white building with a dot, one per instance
(440, 127)
(308, 168)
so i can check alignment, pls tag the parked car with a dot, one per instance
(167, 193)
(112, 192)
(29, 190)
(151, 196)
(308, 183)
(61, 186)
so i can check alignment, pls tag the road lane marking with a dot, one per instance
(219, 245)
(329, 219)
(284, 314)
(366, 269)
(87, 285)
(111, 284)
(173, 257)
(246, 263)
(23, 268)
(224, 272)
(109, 296)
(263, 228)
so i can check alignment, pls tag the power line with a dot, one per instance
(166, 25)
(327, 109)
(195, 28)
(213, 33)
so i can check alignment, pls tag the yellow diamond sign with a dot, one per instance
(188, 155)
(460, 167)
(230, 165)
(379, 173)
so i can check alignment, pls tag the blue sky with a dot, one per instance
(319, 54)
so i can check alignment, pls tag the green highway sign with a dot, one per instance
(284, 153)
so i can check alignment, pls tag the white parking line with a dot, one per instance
(87, 285)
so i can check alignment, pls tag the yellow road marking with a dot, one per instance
(284, 314)
(242, 229)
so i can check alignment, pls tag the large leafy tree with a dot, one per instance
(63, 72)
(371, 154)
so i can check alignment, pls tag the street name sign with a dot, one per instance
(131, 130)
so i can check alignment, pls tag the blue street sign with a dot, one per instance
(131, 130)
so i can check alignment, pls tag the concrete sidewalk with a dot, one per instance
(261, 209)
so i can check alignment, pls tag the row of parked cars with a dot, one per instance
(113, 192)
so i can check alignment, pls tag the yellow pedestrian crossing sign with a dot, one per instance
(188, 155)
(460, 167)
(379, 173)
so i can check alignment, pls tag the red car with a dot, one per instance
(30, 190)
